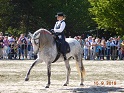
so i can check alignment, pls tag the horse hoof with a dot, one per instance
(81, 84)
(65, 85)
(47, 87)
(26, 79)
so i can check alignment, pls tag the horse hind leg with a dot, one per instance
(27, 75)
(68, 72)
(80, 68)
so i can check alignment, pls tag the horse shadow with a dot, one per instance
(96, 89)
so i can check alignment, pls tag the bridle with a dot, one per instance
(38, 44)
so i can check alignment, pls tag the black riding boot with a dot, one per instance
(65, 58)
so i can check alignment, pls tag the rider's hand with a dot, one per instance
(52, 31)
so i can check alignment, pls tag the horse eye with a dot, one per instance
(35, 35)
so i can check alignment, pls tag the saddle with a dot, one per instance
(67, 47)
(58, 45)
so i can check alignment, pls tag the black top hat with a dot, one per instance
(60, 14)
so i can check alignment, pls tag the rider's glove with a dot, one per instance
(52, 31)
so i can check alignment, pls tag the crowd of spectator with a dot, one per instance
(102, 49)
(15, 47)
(93, 48)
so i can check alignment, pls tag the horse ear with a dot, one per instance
(30, 34)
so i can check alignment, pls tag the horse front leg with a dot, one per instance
(48, 74)
(68, 72)
(27, 75)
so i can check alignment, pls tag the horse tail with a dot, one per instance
(81, 70)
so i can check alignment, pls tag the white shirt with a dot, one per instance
(87, 45)
(11, 40)
(93, 44)
(62, 26)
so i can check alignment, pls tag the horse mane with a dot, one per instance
(46, 38)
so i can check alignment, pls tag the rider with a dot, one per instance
(59, 32)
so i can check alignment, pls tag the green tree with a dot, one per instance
(5, 12)
(30, 15)
(14, 14)
(109, 14)
(78, 18)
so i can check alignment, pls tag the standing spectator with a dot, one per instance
(86, 49)
(93, 49)
(16, 39)
(30, 49)
(6, 47)
(17, 48)
(119, 46)
(121, 54)
(98, 49)
(76, 37)
(23, 46)
(1, 34)
(103, 45)
(114, 49)
(13, 51)
(81, 42)
(90, 51)
(11, 39)
(90, 39)
(1, 47)
(108, 52)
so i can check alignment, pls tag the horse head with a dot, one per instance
(40, 39)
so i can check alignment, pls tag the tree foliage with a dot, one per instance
(5, 14)
(30, 15)
(109, 14)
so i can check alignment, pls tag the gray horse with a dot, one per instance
(45, 47)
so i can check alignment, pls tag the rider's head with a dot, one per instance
(60, 16)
